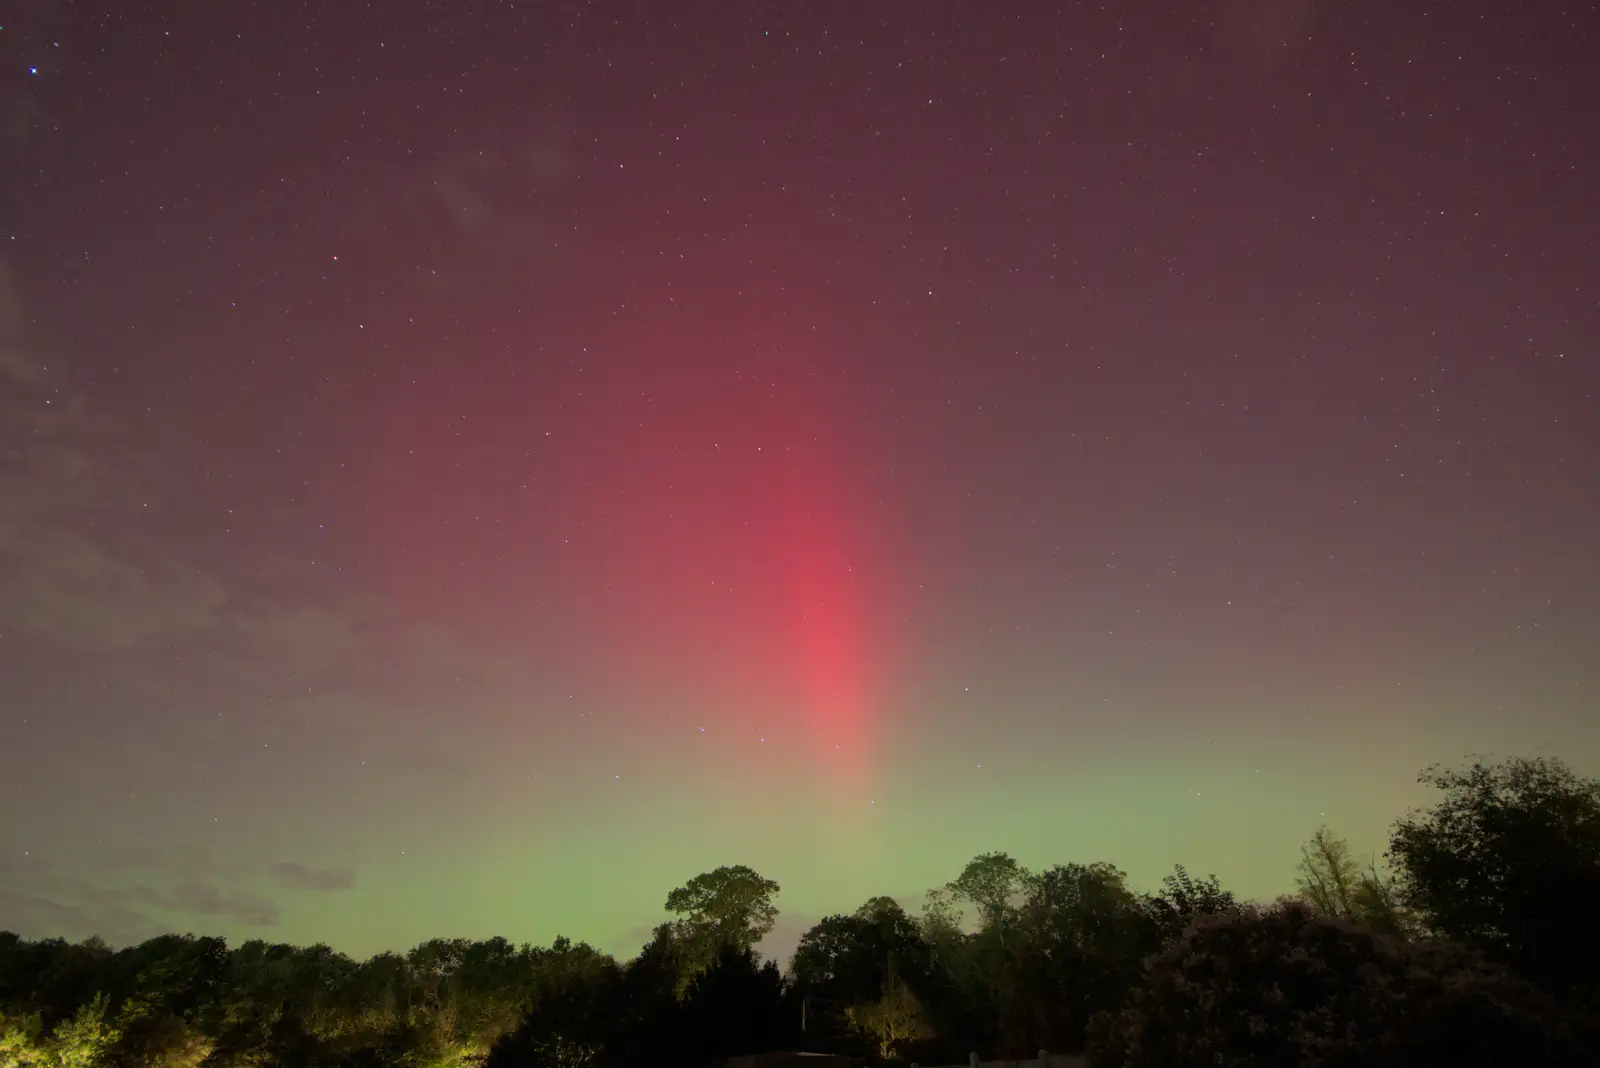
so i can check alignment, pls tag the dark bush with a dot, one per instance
(1508, 862)
(1286, 988)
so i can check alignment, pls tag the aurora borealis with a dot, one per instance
(467, 471)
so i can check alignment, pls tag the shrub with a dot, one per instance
(1287, 988)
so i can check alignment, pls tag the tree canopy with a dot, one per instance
(1473, 944)
(990, 881)
(1332, 881)
(1289, 986)
(732, 905)
(1508, 861)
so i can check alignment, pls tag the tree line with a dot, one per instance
(1474, 940)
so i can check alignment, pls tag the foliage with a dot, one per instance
(737, 1006)
(849, 958)
(567, 1028)
(628, 1016)
(1289, 987)
(179, 1002)
(1184, 899)
(891, 1021)
(1332, 881)
(731, 906)
(960, 990)
(990, 881)
(84, 1040)
(19, 1040)
(734, 904)
(940, 925)
(1083, 937)
(1360, 969)
(1508, 861)
(863, 962)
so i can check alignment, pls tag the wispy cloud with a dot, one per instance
(206, 899)
(301, 641)
(16, 362)
(68, 589)
(50, 905)
(304, 877)
(499, 205)
(70, 500)
(36, 915)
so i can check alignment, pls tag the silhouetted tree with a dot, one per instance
(967, 976)
(163, 988)
(734, 903)
(646, 1012)
(1287, 987)
(990, 881)
(569, 1027)
(731, 906)
(960, 996)
(1081, 941)
(1184, 899)
(848, 958)
(737, 1006)
(864, 969)
(1509, 862)
(1331, 880)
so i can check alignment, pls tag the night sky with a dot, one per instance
(469, 467)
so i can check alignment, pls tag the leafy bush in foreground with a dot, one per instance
(1287, 988)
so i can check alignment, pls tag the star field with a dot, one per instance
(467, 471)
